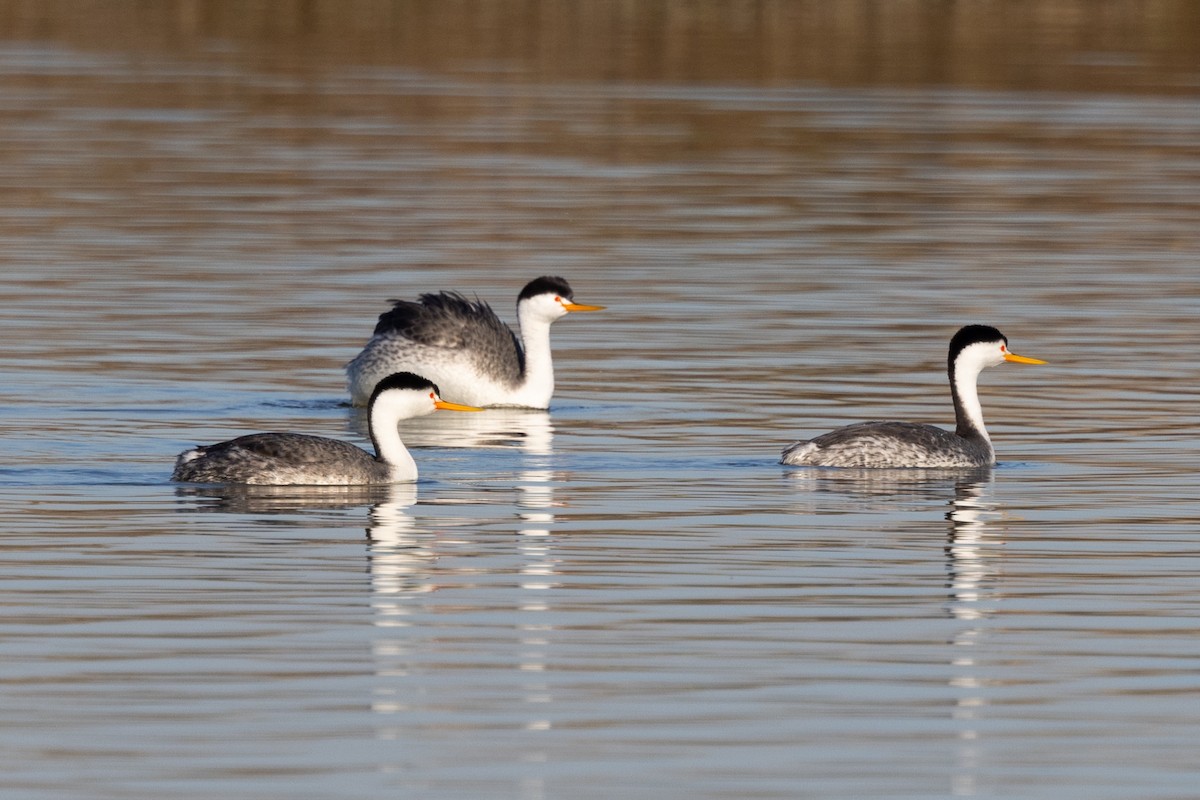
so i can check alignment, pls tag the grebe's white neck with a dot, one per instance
(534, 316)
(384, 417)
(964, 379)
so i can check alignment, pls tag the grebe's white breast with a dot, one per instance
(466, 349)
(295, 459)
(907, 444)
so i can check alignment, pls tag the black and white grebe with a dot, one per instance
(908, 444)
(296, 459)
(464, 347)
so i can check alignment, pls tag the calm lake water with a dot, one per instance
(787, 209)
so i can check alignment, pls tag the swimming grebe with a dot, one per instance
(296, 459)
(464, 347)
(908, 444)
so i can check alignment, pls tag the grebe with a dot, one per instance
(296, 459)
(465, 348)
(908, 444)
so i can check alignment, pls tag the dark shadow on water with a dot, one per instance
(883, 483)
(304, 404)
(288, 499)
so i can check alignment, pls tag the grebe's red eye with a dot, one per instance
(433, 395)
(557, 299)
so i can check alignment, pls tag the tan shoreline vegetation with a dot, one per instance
(1064, 45)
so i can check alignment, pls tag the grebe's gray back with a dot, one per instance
(907, 444)
(466, 349)
(297, 459)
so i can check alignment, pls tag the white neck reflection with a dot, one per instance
(398, 558)
(400, 563)
(971, 570)
(522, 429)
(405, 567)
(538, 570)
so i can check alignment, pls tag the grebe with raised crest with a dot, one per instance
(466, 349)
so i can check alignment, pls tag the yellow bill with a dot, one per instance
(454, 406)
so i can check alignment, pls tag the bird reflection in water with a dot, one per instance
(873, 489)
(237, 498)
(538, 570)
(527, 430)
(404, 563)
(971, 554)
(971, 572)
(401, 560)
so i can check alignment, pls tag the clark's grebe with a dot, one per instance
(465, 348)
(907, 444)
(296, 459)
